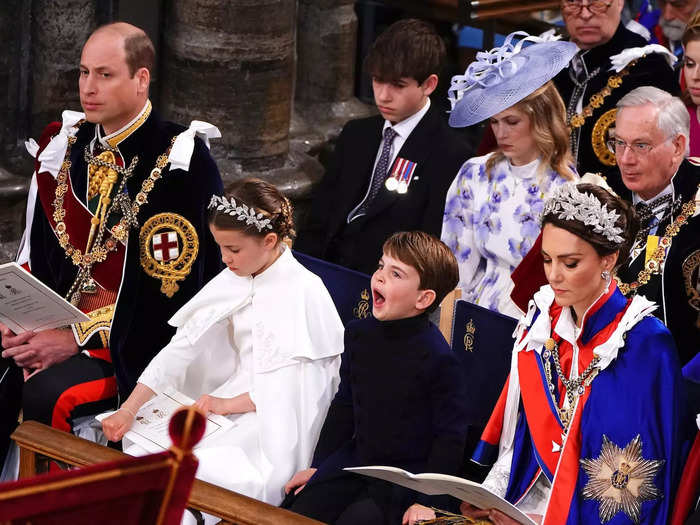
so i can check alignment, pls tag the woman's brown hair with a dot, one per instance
(627, 221)
(265, 199)
(547, 114)
(691, 34)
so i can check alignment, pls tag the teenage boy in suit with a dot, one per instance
(353, 210)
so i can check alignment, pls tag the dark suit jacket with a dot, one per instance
(651, 70)
(677, 285)
(401, 402)
(436, 148)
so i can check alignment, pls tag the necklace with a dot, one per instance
(655, 262)
(96, 250)
(574, 387)
(596, 100)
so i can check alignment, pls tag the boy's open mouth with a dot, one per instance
(377, 298)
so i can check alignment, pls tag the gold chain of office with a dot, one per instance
(97, 252)
(596, 100)
(655, 262)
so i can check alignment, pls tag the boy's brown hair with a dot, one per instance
(435, 263)
(408, 48)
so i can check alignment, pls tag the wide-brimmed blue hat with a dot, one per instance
(505, 75)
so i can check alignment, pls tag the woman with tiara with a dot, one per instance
(589, 426)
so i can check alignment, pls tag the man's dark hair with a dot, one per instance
(139, 52)
(408, 48)
(138, 47)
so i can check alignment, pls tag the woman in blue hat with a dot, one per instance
(493, 206)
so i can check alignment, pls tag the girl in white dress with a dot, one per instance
(260, 343)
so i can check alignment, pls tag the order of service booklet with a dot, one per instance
(434, 484)
(27, 304)
(150, 428)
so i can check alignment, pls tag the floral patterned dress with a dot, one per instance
(491, 222)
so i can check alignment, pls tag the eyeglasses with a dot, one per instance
(640, 149)
(574, 7)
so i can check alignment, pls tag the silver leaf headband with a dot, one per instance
(570, 204)
(239, 211)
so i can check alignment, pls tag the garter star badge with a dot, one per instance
(621, 479)
(168, 246)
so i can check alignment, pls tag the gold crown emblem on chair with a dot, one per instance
(469, 336)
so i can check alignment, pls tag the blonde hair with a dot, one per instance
(547, 113)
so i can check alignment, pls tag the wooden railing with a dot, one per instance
(37, 442)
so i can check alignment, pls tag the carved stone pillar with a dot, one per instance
(59, 30)
(14, 65)
(326, 45)
(232, 63)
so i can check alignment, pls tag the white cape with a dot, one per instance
(297, 340)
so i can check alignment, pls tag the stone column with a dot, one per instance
(39, 68)
(327, 45)
(232, 64)
(59, 30)
(14, 65)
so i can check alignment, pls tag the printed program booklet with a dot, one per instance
(27, 304)
(434, 484)
(150, 428)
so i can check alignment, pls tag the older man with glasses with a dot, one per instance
(650, 145)
(600, 74)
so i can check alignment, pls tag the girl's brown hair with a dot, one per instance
(264, 198)
(547, 114)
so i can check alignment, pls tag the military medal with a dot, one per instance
(401, 175)
(391, 184)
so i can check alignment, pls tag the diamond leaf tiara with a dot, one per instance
(239, 211)
(570, 204)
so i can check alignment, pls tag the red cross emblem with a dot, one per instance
(165, 246)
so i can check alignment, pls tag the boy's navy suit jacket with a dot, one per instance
(439, 152)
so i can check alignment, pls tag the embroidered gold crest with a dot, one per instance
(599, 137)
(621, 479)
(691, 279)
(361, 311)
(168, 245)
(469, 336)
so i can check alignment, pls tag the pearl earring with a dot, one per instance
(605, 275)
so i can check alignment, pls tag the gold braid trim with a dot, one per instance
(100, 319)
(655, 262)
(596, 100)
(99, 250)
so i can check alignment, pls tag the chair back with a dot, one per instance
(146, 490)
(349, 289)
(483, 342)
